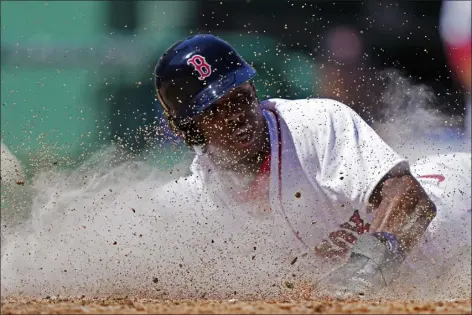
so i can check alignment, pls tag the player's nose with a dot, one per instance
(235, 118)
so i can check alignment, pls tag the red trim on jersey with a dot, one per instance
(440, 178)
(265, 167)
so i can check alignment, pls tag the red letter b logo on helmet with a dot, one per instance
(201, 66)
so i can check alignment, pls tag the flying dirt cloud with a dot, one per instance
(117, 229)
(411, 123)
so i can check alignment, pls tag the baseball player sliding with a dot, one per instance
(345, 195)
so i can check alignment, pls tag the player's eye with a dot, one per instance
(238, 100)
(213, 112)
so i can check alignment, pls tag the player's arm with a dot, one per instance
(402, 213)
(402, 208)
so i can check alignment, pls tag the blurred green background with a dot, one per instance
(77, 75)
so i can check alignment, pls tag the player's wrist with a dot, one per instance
(393, 244)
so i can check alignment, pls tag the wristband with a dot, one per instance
(391, 241)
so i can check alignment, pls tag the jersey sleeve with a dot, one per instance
(349, 157)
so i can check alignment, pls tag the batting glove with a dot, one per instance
(373, 264)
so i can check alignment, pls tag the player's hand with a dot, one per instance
(373, 264)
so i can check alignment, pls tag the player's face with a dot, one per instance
(234, 128)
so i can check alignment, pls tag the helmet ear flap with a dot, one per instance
(192, 134)
(189, 132)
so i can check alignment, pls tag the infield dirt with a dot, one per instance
(149, 306)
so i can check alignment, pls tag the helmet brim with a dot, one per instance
(205, 99)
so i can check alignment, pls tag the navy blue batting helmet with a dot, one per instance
(195, 72)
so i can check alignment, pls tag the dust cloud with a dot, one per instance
(115, 228)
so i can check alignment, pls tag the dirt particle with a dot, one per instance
(155, 280)
(294, 261)
(298, 194)
(115, 242)
(132, 209)
(289, 284)
(20, 183)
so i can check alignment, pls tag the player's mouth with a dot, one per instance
(244, 136)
